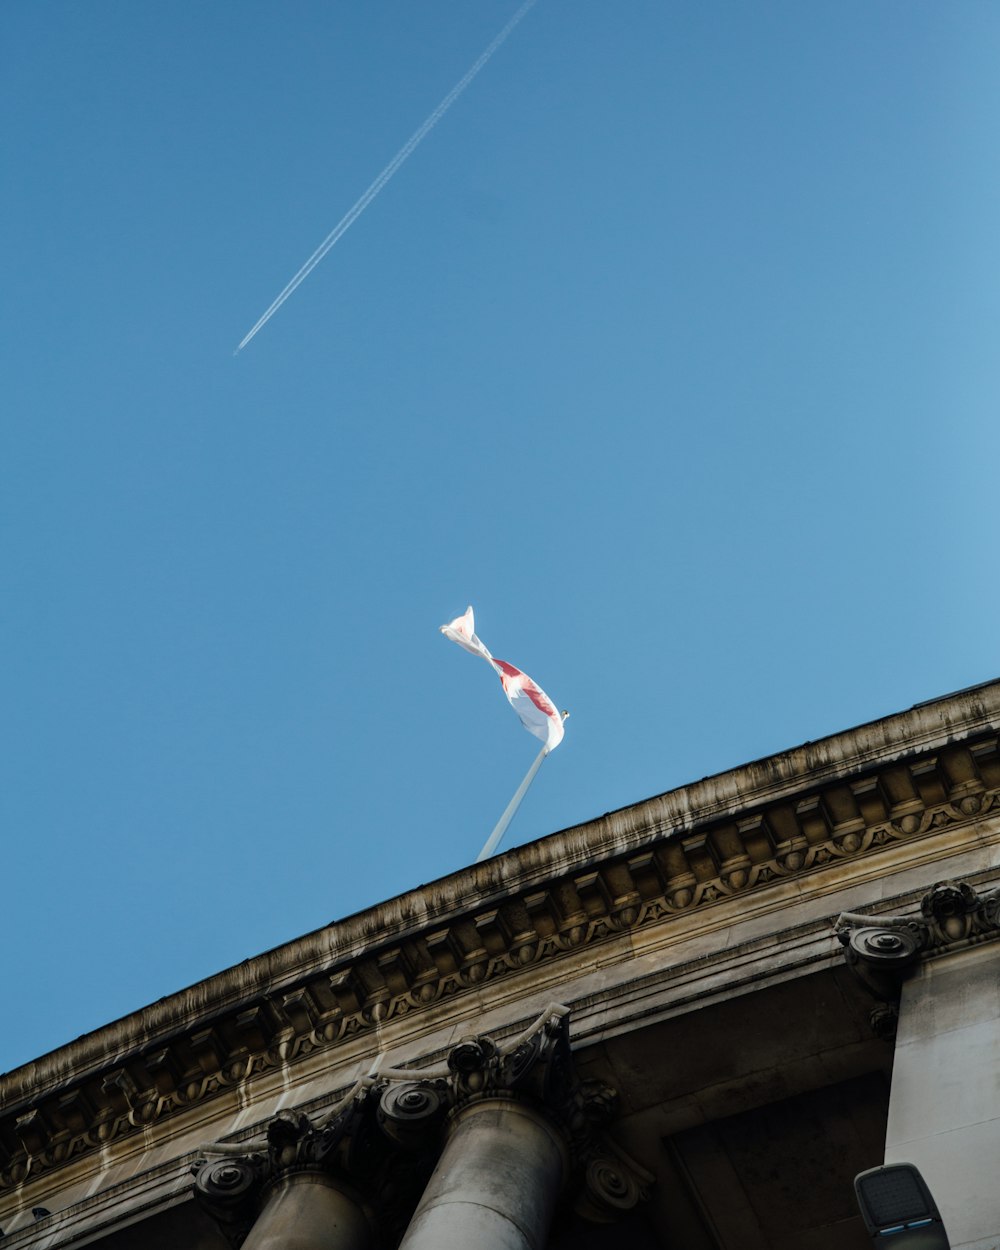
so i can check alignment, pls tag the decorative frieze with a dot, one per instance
(676, 874)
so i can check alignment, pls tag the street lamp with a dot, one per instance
(898, 1209)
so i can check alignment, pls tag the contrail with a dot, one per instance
(407, 150)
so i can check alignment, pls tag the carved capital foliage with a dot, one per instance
(882, 950)
(348, 1144)
(954, 912)
(536, 1067)
(381, 1141)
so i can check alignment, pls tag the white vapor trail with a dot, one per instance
(407, 150)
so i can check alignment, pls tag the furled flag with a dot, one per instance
(535, 709)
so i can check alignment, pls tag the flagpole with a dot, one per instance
(493, 841)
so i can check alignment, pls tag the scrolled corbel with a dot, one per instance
(226, 1182)
(407, 1112)
(881, 950)
(884, 949)
(228, 1189)
(613, 1183)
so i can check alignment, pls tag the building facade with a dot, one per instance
(689, 1023)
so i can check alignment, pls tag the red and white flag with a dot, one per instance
(535, 709)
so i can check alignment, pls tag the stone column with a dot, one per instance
(308, 1211)
(943, 968)
(496, 1184)
(944, 1104)
(511, 1127)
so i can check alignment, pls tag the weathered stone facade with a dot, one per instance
(675, 1024)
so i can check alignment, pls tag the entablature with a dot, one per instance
(58, 1111)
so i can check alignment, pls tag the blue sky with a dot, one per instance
(673, 349)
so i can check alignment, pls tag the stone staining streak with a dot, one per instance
(514, 1128)
(673, 875)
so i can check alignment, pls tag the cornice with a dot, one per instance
(340, 983)
(926, 727)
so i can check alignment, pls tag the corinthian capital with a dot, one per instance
(536, 1068)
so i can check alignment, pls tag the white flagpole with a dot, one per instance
(493, 841)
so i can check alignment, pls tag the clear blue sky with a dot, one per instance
(673, 349)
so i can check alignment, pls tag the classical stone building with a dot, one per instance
(688, 1023)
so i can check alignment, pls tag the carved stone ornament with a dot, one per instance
(882, 950)
(378, 1170)
(678, 870)
(382, 1139)
(536, 1067)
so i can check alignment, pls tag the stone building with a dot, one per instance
(688, 1023)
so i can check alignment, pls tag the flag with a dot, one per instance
(533, 706)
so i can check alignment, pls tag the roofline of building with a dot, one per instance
(927, 726)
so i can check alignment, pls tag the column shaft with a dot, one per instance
(306, 1211)
(944, 1106)
(496, 1184)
